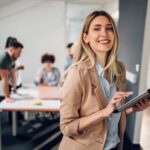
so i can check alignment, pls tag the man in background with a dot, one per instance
(7, 65)
(69, 57)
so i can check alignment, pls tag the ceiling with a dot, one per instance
(5, 3)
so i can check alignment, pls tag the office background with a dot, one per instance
(48, 25)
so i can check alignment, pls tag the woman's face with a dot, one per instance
(48, 65)
(100, 36)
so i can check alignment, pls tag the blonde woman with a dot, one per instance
(92, 88)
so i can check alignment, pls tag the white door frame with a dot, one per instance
(144, 73)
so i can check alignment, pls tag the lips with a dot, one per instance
(104, 41)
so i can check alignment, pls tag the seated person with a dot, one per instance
(48, 75)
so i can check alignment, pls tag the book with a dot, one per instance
(133, 102)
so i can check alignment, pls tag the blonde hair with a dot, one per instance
(84, 54)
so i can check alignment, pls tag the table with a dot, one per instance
(27, 104)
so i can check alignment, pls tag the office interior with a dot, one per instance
(48, 25)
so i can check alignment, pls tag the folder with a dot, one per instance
(133, 102)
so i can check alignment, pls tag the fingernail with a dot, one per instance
(129, 93)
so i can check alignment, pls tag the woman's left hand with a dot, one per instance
(139, 106)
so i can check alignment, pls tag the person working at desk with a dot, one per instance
(7, 64)
(14, 75)
(92, 88)
(48, 75)
(18, 67)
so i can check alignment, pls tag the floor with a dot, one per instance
(44, 134)
(36, 134)
(145, 130)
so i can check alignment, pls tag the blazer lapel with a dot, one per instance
(97, 87)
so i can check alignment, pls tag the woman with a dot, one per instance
(92, 88)
(48, 75)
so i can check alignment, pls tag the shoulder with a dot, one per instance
(76, 73)
(2, 56)
(55, 69)
(77, 69)
(5, 61)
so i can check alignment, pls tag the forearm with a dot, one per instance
(91, 120)
(14, 82)
(6, 88)
(13, 77)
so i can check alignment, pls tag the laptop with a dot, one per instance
(48, 92)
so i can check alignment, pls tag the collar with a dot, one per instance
(99, 69)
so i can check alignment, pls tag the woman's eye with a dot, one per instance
(109, 29)
(97, 29)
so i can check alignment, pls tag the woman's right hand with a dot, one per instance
(118, 96)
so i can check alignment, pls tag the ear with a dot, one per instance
(85, 38)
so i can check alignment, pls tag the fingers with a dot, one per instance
(9, 100)
(125, 94)
(143, 104)
(122, 95)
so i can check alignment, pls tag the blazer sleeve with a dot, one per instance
(71, 96)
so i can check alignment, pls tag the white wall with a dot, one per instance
(145, 72)
(76, 13)
(41, 28)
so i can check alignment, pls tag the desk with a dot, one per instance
(27, 105)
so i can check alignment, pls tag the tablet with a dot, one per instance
(133, 101)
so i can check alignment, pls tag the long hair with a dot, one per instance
(84, 54)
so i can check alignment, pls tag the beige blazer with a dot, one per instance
(82, 95)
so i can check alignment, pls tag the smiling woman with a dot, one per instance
(92, 88)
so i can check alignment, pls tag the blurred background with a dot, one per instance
(49, 25)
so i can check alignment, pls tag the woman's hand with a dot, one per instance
(114, 101)
(139, 106)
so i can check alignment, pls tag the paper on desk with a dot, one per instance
(31, 92)
(17, 96)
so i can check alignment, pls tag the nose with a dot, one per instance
(103, 32)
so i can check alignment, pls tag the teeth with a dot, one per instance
(104, 41)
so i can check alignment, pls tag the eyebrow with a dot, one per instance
(99, 25)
